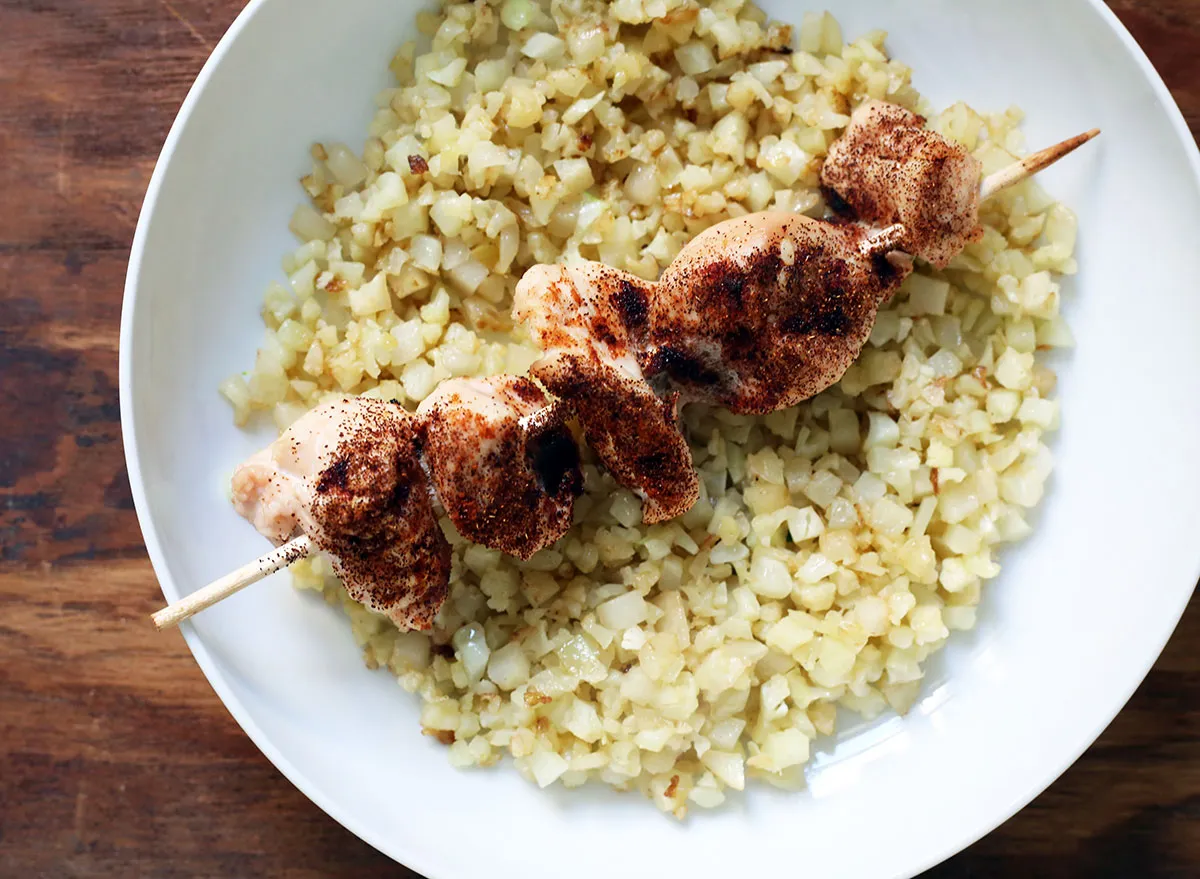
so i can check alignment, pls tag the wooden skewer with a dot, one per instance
(263, 566)
(885, 239)
(301, 547)
(1031, 164)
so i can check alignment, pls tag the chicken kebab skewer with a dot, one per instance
(755, 314)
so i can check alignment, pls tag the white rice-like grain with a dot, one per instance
(836, 544)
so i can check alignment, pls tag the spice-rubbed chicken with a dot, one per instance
(347, 474)
(589, 320)
(761, 312)
(505, 466)
(887, 167)
(755, 314)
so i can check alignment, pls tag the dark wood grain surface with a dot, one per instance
(116, 758)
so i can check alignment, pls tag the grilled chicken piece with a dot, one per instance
(503, 462)
(589, 320)
(763, 311)
(348, 475)
(887, 167)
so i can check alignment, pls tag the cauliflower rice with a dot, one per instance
(836, 545)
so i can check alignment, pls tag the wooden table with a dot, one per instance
(117, 758)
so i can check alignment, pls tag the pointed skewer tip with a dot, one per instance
(295, 549)
(1032, 164)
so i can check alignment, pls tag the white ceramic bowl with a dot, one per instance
(1070, 628)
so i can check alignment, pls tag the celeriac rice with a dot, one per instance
(836, 544)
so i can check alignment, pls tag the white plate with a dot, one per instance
(1070, 628)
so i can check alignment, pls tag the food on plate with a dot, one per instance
(833, 546)
(756, 314)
